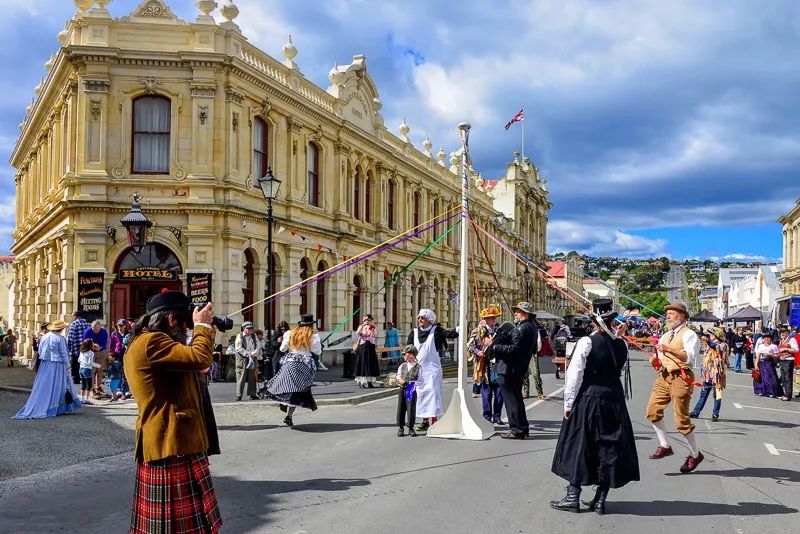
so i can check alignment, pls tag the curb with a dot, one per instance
(15, 389)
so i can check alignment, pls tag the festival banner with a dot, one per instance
(90, 295)
(198, 287)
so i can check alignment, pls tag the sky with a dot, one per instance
(662, 128)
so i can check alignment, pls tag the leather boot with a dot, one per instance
(571, 502)
(598, 503)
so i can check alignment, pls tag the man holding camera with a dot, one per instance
(173, 490)
(513, 355)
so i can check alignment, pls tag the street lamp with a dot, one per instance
(269, 188)
(528, 277)
(136, 224)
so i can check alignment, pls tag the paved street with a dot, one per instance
(343, 470)
(676, 283)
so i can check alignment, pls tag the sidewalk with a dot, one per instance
(329, 389)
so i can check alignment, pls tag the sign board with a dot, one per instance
(90, 295)
(794, 312)
(198, 287)
(148, 273)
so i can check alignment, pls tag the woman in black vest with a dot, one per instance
(596, 445)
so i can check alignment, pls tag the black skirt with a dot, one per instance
(367, 360)
(596, 445)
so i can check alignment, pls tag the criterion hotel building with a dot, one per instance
(188, 114)
(790, 276)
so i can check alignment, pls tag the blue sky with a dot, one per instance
(662, 127)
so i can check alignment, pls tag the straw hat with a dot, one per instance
(492, 311)
(57, 326)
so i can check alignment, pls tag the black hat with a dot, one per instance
(168, 300)
(603, 314)
(306, 319)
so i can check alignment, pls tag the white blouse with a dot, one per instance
(316, 345)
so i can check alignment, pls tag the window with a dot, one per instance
(151, 124)
(417, 202)
(313, 175)
(304, 268)
(260, 146)
(368, 199)
(357, 195)
(390, 205)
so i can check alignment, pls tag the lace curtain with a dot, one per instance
(151, 129)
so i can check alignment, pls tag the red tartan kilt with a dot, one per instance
(175, 495)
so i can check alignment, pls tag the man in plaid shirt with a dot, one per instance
(74, 338)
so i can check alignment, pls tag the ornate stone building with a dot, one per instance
(188, 115)
(790, 276)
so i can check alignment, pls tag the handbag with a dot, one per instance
(356, 344)
(68, 399)
(756, 374)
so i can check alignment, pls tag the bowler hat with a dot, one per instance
(306, 319)
(168, 301)
(677, 306)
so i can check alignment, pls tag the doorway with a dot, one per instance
(140, 276)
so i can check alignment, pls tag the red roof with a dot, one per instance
(7, 259)
(556, 269)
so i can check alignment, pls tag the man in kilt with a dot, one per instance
(173, 491)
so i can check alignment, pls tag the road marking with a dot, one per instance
(739, 386)
(538, 402)
(777, 452)
(740, 406)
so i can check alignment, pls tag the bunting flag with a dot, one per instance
(516, 118)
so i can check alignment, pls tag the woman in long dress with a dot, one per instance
(367, 368)
(53, 391)
(291, 387)
(767, 384)
(596, 445)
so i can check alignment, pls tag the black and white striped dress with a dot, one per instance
(292, 384)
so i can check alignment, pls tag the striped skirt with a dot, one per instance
(175, 495)
(292, 384)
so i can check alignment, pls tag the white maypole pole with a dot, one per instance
(463, 419)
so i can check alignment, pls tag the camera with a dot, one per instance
(222, 322)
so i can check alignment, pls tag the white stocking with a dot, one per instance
(661, 433)
(691, 443)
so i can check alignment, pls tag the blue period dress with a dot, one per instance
(53, 381)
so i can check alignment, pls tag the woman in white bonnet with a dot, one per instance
(429, 383)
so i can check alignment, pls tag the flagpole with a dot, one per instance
(523, 136)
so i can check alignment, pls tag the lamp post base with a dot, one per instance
(462, 420)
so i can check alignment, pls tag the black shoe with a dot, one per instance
(715, 418)
(400, 432)
(412, 432)
(253, 397)
(238, 398)
(283, 408)
(598, 503)
(369, 385)
(694, 415)
(571, 501)
(288, 421)
(513, 435)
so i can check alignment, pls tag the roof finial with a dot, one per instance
(404, 129)
(229, 11)
(289, 53)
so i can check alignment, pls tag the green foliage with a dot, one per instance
(655, 300)
(711, 278)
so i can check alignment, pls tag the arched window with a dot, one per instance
(304, 269)
(151, 129)
(260, 147)
(417, 204)
(368, 199)
(357, 195)
(356, 302)
(390, 204)
(313, 175)
(321, 297)
(249, 284)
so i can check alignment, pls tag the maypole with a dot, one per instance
(463, 419)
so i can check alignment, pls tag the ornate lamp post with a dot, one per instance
(269, 188)
(136, 224)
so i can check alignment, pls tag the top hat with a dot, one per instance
(168, 301)
(306, 319)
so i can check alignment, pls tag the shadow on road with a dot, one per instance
(246, 427)
(322, 428)
(774, 424)
(687, 508)
(775, 473)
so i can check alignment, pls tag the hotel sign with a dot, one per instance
(148, 273)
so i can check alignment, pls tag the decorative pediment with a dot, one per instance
(152, 11)
(357, 94)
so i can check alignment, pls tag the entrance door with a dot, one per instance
(129, 298)
(120, 297)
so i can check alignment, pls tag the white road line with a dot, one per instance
(771, 449)
(738, 386)
(538, 402)
(736, 404)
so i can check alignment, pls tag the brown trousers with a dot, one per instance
(672, 388)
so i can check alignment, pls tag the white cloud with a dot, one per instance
(564, 236)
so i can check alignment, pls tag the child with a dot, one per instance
(86, 363)
(115, 377)
(407, 397)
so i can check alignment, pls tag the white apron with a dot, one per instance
(429, 383)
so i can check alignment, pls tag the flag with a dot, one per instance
(518, 117)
